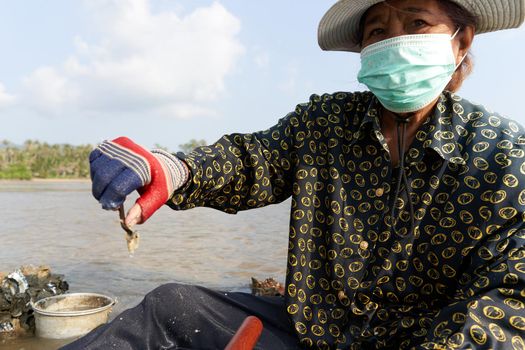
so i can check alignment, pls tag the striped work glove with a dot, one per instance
(120, 167)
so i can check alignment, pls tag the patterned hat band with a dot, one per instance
(339, 27)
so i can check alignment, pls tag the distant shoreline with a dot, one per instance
(80, 179)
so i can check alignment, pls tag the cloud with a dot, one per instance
(5, 98)
(145, 62)
(261, 58)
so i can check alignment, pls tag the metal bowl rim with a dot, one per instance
(38, 310)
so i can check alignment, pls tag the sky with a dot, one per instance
(163, 72)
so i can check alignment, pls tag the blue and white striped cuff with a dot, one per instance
(178, 170)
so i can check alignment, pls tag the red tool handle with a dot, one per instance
(247, 335)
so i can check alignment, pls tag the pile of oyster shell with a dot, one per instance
(18, 289)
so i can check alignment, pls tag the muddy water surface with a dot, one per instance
(59, 224)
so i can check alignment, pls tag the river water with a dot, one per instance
(59, 224)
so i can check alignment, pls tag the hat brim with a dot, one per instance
(339, 28)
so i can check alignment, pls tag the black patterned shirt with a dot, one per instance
(457, 281)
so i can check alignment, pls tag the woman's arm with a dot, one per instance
(243, 171)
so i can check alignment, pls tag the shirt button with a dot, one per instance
(363, 245)
(380, 191)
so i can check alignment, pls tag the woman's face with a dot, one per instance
(402, 17)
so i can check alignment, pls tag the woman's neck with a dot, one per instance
(388, 121)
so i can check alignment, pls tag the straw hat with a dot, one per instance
(339, 27)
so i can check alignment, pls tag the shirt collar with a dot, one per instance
(437, 134)
(369, 119)
(371, 116)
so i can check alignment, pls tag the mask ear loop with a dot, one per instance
(455, 33)
(465, 55)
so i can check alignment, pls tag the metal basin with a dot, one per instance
(71, 315)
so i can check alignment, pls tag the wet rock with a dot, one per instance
(7, 326)
(19, 304)
(267, 287)
(40, 273)
(18, 289)
(4, 303)
(13, 285)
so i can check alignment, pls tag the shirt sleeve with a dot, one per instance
(244, 171)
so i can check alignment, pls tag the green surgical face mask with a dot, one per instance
(406, 73)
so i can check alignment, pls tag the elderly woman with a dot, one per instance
(407, 201)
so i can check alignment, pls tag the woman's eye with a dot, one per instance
(418, 23)
(376, 31)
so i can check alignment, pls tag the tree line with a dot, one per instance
(35, 159)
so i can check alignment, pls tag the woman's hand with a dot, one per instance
(120, 167)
